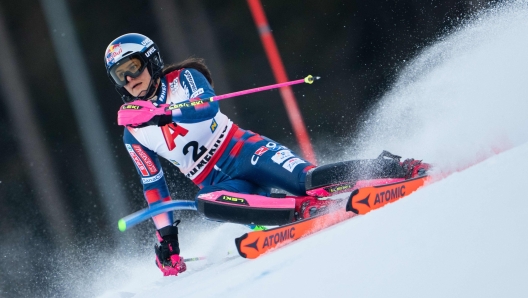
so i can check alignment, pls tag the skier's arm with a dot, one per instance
(149, 169)
(197, 87)
(141, 113)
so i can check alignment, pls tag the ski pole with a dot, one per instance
(204, 257)
(194, 259)
(194, 102)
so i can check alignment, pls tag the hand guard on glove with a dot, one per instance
(141, 113)
(168, 257)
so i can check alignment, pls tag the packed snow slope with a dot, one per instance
(464, 236)
(461, 104)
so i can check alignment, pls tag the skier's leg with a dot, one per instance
(386, 167)
(243, 202)
(271, 165)
(268, 163)
(352, 171)
(258, 209)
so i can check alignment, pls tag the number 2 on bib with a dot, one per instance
(195, 154)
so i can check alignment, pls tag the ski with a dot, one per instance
(361, 201)
(253, 244)
(366, 199)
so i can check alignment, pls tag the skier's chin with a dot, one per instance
(142, 93)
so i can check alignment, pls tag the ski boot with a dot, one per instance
(306, 207)
(168, 257)
(415, 168)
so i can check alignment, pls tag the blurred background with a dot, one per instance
(66, 177)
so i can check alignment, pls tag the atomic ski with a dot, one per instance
(361, 201)
(364, 200)
(253, 244)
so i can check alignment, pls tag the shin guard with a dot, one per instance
(353, 171)
(246, 209)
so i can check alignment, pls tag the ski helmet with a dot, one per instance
(129, 55)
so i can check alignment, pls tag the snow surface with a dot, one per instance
(461, 104)
(464, 236)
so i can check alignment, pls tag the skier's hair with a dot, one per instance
(196, 63)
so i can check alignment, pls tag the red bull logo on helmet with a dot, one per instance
(113, 51)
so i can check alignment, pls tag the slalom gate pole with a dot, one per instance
(133, 219)
(279, 72)
(191, 103)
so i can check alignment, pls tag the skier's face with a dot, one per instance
(138, 85)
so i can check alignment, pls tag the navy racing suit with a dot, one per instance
(208, 148)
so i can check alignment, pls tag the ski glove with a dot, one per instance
(141, 113)
(168, 257)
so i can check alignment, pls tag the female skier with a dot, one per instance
(230, 165)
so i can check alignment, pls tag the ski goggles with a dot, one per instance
(131, 66)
